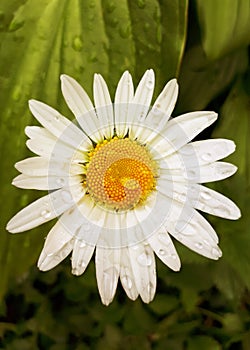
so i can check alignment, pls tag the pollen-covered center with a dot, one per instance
(120, 173)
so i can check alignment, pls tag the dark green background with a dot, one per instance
(204, 43)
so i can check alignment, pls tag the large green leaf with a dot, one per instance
(234, 124)
(224, 25)
(41, 40)
(201, 80)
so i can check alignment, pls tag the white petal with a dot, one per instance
(127, 275)
(104, 107)
(191, 229)
(207, 151)
(194, 174)
(164, 248)
(58, 245)
(38, 166)
(143, 266)
(82, 107)
(199, 197)
(107, 272)
(139, 107)
(43, 182)
(166, 101)
(123, 96)
(215, 203)
(160, 113)
(181, 130)
(34, 132)
(58, 125)
(211, 172)
(37, 182)
(49, 148)
(184, 220)
(45, 209)
(82, 253)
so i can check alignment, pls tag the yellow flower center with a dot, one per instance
(120, 174)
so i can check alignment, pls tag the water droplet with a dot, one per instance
(93, 57)
(110, 6)
(205, 241)
(45, 213)
(15, 25)
(179, 237)
(141, 3)
(224, 210)
(124, 31)
(205, 195)
(66, 196)
(174, 256)
(82, 244)
(113, 22)
(144, 259)
(86, 226)
(164, 238)
(198, 245)
(63, 254)
(60, 181)
(216, 252)
(150, 287)
(207, 157)
(92, 4)
(127, 282)
(156, 110)
(162, 252)
(191, 174)
(17, 93)
(77, 44)
(150, 84)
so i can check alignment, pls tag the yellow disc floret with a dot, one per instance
(120, 173)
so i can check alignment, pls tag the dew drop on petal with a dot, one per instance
(82, 245)
(45, 213)
(150, 84)
(66, 196)
(206, 157)
(60, 181)
(179, 237)
(174, 256)
(127, 282)
(162, 252)
(198, 245)
(156, 110)
(216, 252)
(144, 259)
(150, 287)
(191, 174)
(205, 195)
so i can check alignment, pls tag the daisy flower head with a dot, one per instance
(123, 180)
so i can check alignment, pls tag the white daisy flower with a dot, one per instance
(122, 181)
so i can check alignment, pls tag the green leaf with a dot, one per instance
(234, 124)
(224, 25)
(201, 81)
(203, 342)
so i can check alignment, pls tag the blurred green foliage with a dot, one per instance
(204, 43)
